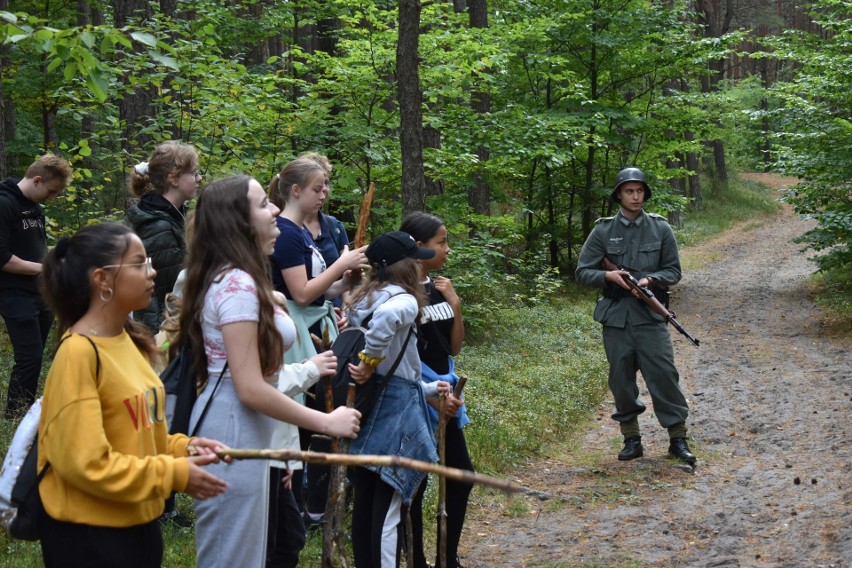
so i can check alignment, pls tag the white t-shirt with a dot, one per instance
(233, 298)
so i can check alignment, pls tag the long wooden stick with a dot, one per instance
(338, 480)
(459, 386)
(442, 483)
(463, 475)
(364, 216)
(331, 504)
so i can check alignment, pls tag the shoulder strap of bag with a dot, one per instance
(209, 400)
(97, 355)
(401, 352)
(393, 367)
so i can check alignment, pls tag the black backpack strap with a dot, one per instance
(401, 352)
(209, 400)
(393, 367)
(97, 355)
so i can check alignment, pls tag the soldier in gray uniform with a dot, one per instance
(634, 336)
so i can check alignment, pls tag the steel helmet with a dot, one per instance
(630, 174)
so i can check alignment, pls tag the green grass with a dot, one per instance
(534, 375)
(741, 200)
(833, 292)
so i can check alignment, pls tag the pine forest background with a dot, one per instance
(508, 118)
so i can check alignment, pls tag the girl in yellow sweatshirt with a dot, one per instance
(103, 435)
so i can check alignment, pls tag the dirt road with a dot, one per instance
(770, 391)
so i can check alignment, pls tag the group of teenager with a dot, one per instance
(259, 274)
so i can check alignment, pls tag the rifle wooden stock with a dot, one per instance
(647, 296)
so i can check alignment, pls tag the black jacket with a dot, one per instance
(22, 234)
(161, 227)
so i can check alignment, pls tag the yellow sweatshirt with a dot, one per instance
(112, 460)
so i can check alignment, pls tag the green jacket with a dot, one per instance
(646, 245)
(162, 233)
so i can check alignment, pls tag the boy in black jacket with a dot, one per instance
(22, 247)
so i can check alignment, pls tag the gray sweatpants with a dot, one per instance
(231, 529)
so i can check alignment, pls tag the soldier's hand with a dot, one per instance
(617, 277)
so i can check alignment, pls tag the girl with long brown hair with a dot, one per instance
(229, 316)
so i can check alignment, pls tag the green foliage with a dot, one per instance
(533, 375)
(814, 138)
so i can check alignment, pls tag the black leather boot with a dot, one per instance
(632, 449)
(678, 448)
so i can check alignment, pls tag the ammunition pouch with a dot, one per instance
(615, 292)
(661, 293)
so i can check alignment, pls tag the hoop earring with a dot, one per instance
(101, 295)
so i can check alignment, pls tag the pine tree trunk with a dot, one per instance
(135, 107)
(479, 193)
(410, 99)
(7, 111)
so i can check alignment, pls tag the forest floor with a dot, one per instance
(770, 392)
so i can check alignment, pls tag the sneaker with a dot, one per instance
(312, 523)
(177, 518)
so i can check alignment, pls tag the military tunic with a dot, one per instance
(635, 337)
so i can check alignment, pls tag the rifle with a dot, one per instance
(648, 297)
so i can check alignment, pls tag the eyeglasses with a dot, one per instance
(149, 266)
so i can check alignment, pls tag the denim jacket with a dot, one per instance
(397, 426)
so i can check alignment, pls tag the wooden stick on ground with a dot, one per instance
(462, 475)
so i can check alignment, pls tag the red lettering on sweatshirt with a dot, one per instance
(134, 414)
(146, 408)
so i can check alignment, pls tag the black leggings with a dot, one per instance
(286, 531)
(376, 522)
(456, 501)
(74, 545)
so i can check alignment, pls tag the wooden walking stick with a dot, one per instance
(463, 475)
(442, 482)
(364, 216)
(329, 528)
(361, 229)
(338, 485)
(459, 386)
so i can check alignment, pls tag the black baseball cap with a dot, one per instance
(393, 247)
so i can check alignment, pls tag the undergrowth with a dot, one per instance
(741, 200)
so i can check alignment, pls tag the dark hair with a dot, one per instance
(404, 273)
(168, 158)
(296, 172)
(65, 278)
(223, 237)
(422, 226)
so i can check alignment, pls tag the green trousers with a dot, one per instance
(646, 348)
